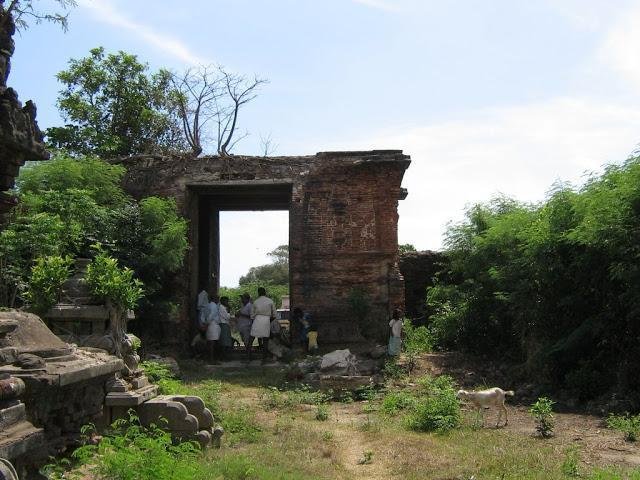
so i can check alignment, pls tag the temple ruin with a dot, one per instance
(343, 220)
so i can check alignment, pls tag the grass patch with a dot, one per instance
(627, 424)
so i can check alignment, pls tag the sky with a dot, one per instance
(488, 97)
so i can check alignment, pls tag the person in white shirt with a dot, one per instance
(213, 327)
(226, 341)
(395, 337)
(243, 322)
(202, 303)
(263, 311)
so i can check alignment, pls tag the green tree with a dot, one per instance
(552, 285)
(114, 107)
(405, 248)
(67, 205)
(275, 273)
(23, 10)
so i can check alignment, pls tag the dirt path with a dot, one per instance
(358, 454)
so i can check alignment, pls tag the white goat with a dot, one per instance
(492, 397)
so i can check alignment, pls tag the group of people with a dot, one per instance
(257, 320)
(254, 320)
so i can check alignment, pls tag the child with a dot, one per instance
(395, 337)
(312, 333)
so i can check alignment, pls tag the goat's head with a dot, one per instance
(461, 394)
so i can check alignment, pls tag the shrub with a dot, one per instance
(45, 284)
(322, 413)
(394, 402)
(438, 410)
(132, 452)
(542, 412)
(627, 424)
(416, 339)
(110, 283)
(393, 370)
(570, 463)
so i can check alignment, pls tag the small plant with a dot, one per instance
(113, 284)
(396, 401)
(240, 426)
(627, 424)
(542, 412)
(327, 436)
(367, 458)
(48, 274)
(346, 397)
(570, 463)
(322, 413)
(393, 370)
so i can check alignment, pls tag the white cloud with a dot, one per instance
(619, 49)
(104, 11)
(386, 5)
(519, 151)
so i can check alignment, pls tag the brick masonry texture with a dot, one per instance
(343, 217)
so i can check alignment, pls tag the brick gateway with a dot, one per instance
(343, 220)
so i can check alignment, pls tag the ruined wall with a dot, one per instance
(20, 138)
(343, 223)
(418, 270)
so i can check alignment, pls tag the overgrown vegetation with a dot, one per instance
(130, 451)
(69, 204)
(627, 424)
(45, 284)
(552, 285)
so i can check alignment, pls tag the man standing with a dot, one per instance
(262, 312)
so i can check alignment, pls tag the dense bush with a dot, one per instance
(132, 452)
(47, 276)
(69, 204)
(416, 339)
(552, 285)
(437, 408)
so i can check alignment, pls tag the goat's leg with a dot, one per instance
(506, 415)
(498, 419)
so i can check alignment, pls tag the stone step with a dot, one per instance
(11, 415)
(19, 439)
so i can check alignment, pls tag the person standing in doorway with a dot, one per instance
(213, 328)
(243, 322)
(226, 342)
(263, 311)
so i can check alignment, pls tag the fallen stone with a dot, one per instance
(339, 362)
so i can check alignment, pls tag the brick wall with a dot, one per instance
(343, 224)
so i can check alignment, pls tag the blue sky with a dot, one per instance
(487, 96)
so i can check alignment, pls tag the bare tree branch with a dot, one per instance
(268, 145)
